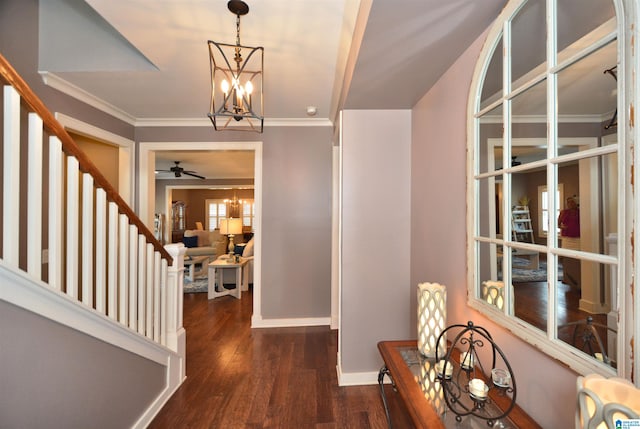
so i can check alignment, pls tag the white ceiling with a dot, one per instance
(148, 59)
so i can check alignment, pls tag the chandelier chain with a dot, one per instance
(238, 56)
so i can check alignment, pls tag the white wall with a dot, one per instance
(439, 239)
(375, 237)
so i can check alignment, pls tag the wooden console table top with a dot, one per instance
(421, 411)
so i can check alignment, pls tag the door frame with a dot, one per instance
(147, 192)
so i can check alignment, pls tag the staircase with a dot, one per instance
(90, 302)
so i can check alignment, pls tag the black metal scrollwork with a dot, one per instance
(470, 386)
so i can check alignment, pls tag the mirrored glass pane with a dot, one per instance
(577, 19)
(587, 94)
(586, 317)
(491, 131)
(528, 42)
(589, 209)
(530, 291)
(492, 84)
(526, 209)
(488, 206)
(489, 274)
(529, 128)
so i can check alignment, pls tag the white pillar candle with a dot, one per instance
(445, 366)
(432, 316)
(466, 360)
(478, 388)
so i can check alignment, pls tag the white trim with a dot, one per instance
(126, 152)
(542, 119)
(56, 82)
(146, 171)
(355, 378)
(258, 322)
(206, 122)
(39, 298)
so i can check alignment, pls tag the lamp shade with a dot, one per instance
(432, 318)
(230, 226)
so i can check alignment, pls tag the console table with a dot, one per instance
(412, 377)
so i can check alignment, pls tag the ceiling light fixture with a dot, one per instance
(236, 82)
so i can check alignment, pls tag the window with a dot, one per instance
(248, 213)
(543, 120)
(216, 210)
(543, 208)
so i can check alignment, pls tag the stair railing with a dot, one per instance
(59, 210)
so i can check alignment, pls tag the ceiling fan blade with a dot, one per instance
(194, 175)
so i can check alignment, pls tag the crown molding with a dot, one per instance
(206, 122)
(54, 81)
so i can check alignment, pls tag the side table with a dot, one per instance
(216, 277)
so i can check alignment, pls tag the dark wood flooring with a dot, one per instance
(531, 300)
(238, 377)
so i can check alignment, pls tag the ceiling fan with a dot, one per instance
(179, 171)
(514, 161)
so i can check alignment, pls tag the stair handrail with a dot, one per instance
(70, 147)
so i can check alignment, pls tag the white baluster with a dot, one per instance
(101, 250)
(133, 277)
(123, 272)
(34, 197)
(56, 197)
(149, 291)
(163, 302)
(112, 266)
(11, 178)
(156, 296)
(73, 198)
(87, 239)
(142, 263)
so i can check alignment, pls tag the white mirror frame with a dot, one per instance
(627, 12)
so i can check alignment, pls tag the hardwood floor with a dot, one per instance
(238, 377)
(531, 300)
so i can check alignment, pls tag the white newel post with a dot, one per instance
(176, 335)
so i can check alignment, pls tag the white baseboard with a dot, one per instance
(259, 322)
(355, 378)
(175, 377)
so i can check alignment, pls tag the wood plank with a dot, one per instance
(238, 377)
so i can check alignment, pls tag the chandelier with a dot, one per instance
(236, 82)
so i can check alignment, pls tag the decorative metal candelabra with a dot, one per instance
(467, 387)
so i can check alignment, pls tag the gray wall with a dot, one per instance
(375, 290)
(55, 377)
(439, 238)
(296, 213)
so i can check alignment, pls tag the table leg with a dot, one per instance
(385, 371)
(245, 277)
(238, 291)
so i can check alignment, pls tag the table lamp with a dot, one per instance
(230, 227)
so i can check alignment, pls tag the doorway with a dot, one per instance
(146, 193)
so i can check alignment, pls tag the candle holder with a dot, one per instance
(470, 387)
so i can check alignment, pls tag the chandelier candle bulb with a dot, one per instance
(432, 315)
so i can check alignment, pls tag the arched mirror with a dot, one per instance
(546, 181)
